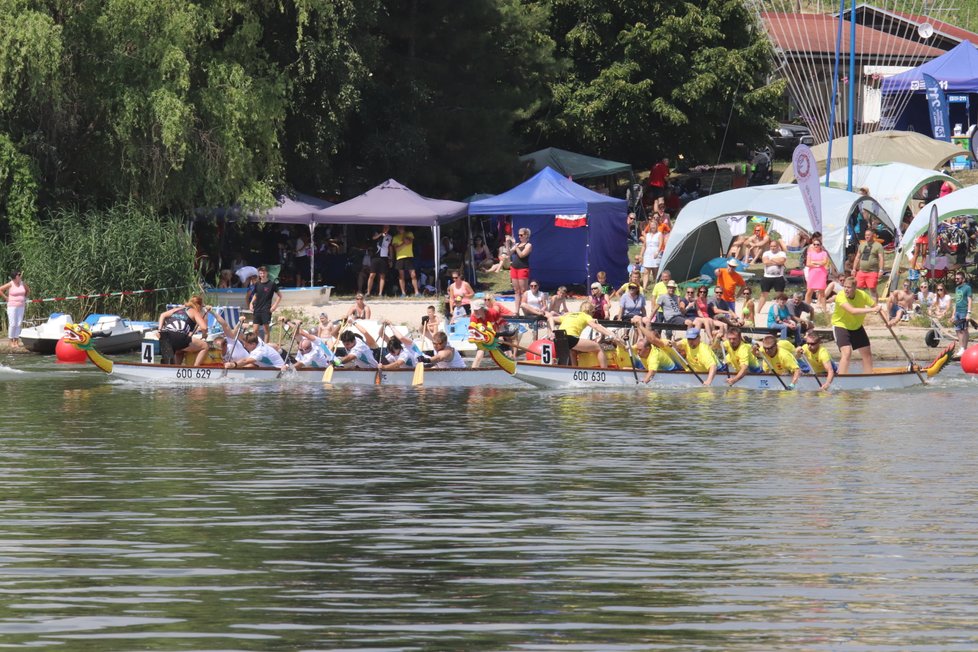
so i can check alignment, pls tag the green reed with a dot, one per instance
(125, 247)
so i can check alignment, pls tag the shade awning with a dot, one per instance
(395, 204)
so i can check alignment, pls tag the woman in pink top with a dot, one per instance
(460, 295)
(817, 268)
(15, 294)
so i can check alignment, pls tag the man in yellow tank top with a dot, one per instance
(851, 307)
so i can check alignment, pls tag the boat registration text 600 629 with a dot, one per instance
(194, 374)
(590, 376)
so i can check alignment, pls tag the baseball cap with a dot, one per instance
(478, 304)
(692, 333)
(671, 284)
(595, 286)
(732, 262)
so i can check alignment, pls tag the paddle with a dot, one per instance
(418, 378)
(770, 364)
(631, 355)
(230, 352)
(328, 373)
(288, 351)
(909, 359)
(383, 352)
(688, 366)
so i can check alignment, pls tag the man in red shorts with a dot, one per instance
(868, 263)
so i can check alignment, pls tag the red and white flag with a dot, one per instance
(571, 221)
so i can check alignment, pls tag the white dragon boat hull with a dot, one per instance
(156, 373)
(561, 377)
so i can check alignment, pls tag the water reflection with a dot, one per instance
(357, 518)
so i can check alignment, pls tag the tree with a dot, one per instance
(450, 80)
(657, 78)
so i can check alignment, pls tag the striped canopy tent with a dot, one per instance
(781, 202)
(892, 185)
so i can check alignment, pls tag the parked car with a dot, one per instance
(785, 138)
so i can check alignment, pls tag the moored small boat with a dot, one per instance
(110, 333)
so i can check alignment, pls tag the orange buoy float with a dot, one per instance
(534, 352)
(969, 360)
(69, 354)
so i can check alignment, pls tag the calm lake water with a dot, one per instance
(309, 518)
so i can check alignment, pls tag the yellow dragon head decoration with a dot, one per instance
(483, 336)
(80, 336)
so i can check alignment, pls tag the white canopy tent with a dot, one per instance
(958, 203)
(781, 202)
(892, 185)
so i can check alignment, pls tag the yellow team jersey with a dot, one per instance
(699, 357)
(742, 357)
(818, 360)
(574, 323)
(403, 244)
(657, 290)
(783, 361)
(845, 319)
(658, 359)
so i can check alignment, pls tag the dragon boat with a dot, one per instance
(547, 376)
(81, 337)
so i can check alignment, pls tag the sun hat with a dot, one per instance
(478, 304)
(672, 284)
(595, 286)
(692, 333)
(732, 262)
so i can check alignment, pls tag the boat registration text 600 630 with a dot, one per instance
(194, 374)
(590, 376)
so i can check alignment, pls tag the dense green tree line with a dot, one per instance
(172, 104)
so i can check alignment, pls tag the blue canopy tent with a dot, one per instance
(957, 73)
(563, 255)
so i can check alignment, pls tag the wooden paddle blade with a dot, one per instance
(418, 374)
(377, 377)
(328, 374)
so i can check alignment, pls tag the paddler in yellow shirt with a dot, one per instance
(851, 307)
(778, 360)
(574, 323)
(817, 357)
(739, 356)
(653, 352)
(698, 354)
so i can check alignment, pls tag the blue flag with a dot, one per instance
(937, 106)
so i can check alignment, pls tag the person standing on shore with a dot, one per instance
(264, 301)
(519, 267)
(962, 310)
(15, 294)
(379, 265)
(868, 263)
(403, 244)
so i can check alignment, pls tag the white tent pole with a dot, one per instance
(436, 235)
(312, 252)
